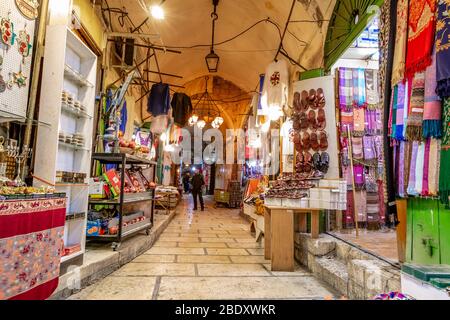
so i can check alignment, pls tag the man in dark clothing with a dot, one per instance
(197, 183)
(186, 180)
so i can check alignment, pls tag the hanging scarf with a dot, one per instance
(421, 30)
(381, 201)
(426, 166)
(346, 121)
(361, 205)
(345, 88)
(359, 88)
(359, 122)
(358, 175)
(400, 111)
(372, 96)
(412, 170)
(419, 168)
(444, 175)
(401, 170)
(415, 115)
(370, 154)
(408, 91)
(394, 113)
(443, 49)
(401, 36)
(433, 168)
(432, 114)
(407, 163)
(358, 152)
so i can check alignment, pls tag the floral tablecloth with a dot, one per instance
(31, 242)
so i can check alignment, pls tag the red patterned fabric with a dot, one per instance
(31, 242)
(422, 27)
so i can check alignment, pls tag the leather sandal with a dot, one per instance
(304, 123)
(323, 140)
(306, 141)
(298, 147)
(297, 102)
(297, 138)
(325, 162)
(315, 145)
(304, 101)
(320, 98)
(316, 160)
(296, 122)
(321, 119)
(307, 163)
(312, 120)
(312, 98)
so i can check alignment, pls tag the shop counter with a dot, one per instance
(279, 228)
(31, 242)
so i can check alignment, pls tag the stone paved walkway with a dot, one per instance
(205, 255)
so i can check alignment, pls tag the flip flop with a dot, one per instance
(304, 123)
(312, 98)
(306, 141)
(297, 102)
(304, 101)
(320, 98)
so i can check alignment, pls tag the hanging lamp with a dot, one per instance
(212, 59)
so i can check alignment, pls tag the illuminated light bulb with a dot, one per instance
(169, 148)
(219, 121)
(266, 126)
(275, 114)
(157, 12)
(201, 124)
(163, 136)
(193, 120)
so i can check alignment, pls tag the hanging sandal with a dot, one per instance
(304, 101)
(306, 141)
(320, 98)
(304, 123)
(307, 163)
(297, 102)
(297, 138)
(296, 122)
(316, 160)
(321, 119)
(312, 98)
(325, 162)
(312, 120)
(323, 140)
(315, 142)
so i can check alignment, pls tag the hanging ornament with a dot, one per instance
(17, 78)
(28, 8)
(7, 31)
(2, 81)
(24, 43)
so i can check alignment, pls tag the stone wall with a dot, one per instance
(352, 272)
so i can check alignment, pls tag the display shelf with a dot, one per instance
(75, 112)
(71, 256)
(74, 76)
(72, 146)
(63, 184)
(75, 216)
(117, 158)
(117, 201)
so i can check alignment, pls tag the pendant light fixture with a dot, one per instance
(212, 59)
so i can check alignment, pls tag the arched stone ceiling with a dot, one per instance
(188, 23)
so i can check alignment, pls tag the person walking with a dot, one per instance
(186, 180)
(198, 181)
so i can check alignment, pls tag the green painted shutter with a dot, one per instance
(348, 21)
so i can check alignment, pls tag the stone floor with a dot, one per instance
(205, 255)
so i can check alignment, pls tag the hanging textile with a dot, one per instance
(372, 95)
(361, 205)
(432, 114)
(417, 103)
(123, 118)
(370, 155)
(358, 152)
(401, 36)
(393, 116)
(433, 168)
(444, 175)
(401, 169)
(412, 170)
(346, 122)
(419, 169)
(442, 48)
(421, 31)
(159, 99)
(359, 88)
(181, 108)
(359, 122)
(345, 89)
(399, 121)
(426, 166)
(358, 175)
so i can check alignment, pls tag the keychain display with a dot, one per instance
(24, 43)
(7, 31)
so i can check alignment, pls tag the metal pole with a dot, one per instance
(285, 29)
(350, 155)
(39, 53)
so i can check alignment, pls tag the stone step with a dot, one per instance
(334, 272)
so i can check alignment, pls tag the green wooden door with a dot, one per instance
(444, 234)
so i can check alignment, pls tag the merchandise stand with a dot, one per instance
(123, 160)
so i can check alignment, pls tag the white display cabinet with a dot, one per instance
(69, 66)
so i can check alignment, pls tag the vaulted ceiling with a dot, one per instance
(187, 24)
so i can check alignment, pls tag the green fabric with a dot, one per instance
(444, 176)
(99, 148)
(394, 112)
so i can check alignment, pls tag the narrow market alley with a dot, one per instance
(206, 255)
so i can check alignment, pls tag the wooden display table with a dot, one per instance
(279, 228)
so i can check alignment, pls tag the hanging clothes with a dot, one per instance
(421, 32)
(123, 118)
(433, 168)
(432, 114)
(443, 49)
(181, 108)
(372, 95)
(276, 87)
(159, 99)
(359, 122)
(412, 170)
(261, 111)
(400, 109)
(401, 37)
(345, 89)
(359, 88)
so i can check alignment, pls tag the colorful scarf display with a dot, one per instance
(401, 169)
(346, 122)
(400, 110)
(444, 175)
(370, 154)
(357, 144)
(416, 108)
(372, 95)
(401, 37)
(442, 49)
(358, 175)
(346, 88)
(419, 169)
(421, 31)
(393, 115)
(361, 205)
(426, 166)
(432, 114)
(359, 88)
